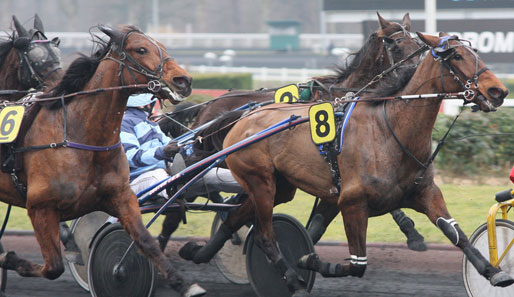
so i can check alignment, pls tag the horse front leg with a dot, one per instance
(46, 228)
(431, 203)
(130, 217)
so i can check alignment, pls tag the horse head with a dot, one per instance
(40, 58)
(398, 43)
(146, 60)
(469, 73)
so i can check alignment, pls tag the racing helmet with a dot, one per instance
(138, 100)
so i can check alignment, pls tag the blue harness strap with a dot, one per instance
(346, 118)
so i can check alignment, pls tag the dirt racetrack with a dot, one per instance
(393, 270)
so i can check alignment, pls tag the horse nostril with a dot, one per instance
(182, 81)
(496, 93)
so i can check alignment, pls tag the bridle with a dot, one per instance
(35, 58)
(134, 66)
(444, 52)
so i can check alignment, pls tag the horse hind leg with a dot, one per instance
(46, 227)
(235, 220)
(355, 219)
(438, 214)
(268, 194)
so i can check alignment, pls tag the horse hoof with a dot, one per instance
(188, 251)
(501, 279)
(194, 291)
(417, 245)
(301, 293)
(310, 261)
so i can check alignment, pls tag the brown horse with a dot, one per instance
(379, 163)
(391, 43)
(90, 171)
(28, 60)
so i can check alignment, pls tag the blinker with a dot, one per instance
(21, 42)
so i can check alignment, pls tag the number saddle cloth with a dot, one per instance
(330, 150)
(12, 161)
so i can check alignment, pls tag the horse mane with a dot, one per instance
(391, 84)
(354, 60)
(82, 69)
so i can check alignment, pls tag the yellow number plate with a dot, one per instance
(10, 122)
(323, 127)
(287, 94)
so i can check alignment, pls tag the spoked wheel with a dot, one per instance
(83, 230)
(294, 242)
(3, 274)
(134, 277)
(476, 285)
(230, 260)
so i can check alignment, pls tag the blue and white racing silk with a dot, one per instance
(143, 142)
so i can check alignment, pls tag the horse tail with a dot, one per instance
(185, 113)
(213, 135)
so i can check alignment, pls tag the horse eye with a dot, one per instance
(457, 57)
(141, 51)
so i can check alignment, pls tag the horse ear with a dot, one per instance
(429, 40)
(382, 22)
(406, 21)
(19, 28)
(115, 35)
(38, 24)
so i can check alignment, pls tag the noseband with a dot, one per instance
(444, 52)
(154, 76)
(38, 56)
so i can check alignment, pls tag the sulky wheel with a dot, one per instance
(3, 274)
(230, 260)
(83, 230)
(134, 277)
(476, 285)
(294, 242)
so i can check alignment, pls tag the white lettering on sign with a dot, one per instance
(489, 42)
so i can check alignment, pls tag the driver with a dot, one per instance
(148, 149)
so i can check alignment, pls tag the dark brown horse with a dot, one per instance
(390, 44)
(66, 182)
(385, 143)
(28, 60)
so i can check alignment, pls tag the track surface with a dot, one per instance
(392, 270)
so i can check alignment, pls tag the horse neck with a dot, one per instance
(413, 121)
(96, 118)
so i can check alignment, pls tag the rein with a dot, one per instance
(153, 86)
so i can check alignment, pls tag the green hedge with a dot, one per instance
(223, 81)
(476, 145)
